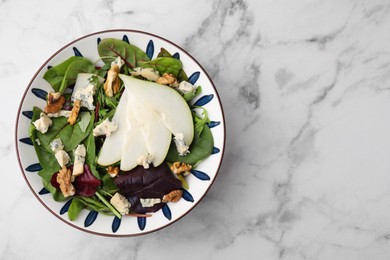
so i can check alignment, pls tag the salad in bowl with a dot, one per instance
(120, 133)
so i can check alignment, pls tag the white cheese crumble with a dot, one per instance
(37, 141)
(120, 203)
(79, 159)
(56, 145)
(181, 146)
(149, 202)
(43, 123)
(106, 128)
(147, 73)
(55, 95)
(62, 158)
(118, 62)
(145, 160)
(186, 87)
(85, 95)
(65, 113)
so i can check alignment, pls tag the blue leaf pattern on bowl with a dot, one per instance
(66, 206)
(200, 175)
(215, 150)
(36, 167)
(43, 191)
(194, 77)
(91, 217)
(204, 100)
(150, 49)
(125, 39)
(141, 222)
(28, 114)
(212, 124)
(116, 224)
(167, 211)
(187, 196)
(77, 52)
(176, 55)
(39, 93)
(26, 140)
(98, 40)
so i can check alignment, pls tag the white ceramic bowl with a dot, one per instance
(199, 181)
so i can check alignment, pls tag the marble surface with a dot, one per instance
(306, 93)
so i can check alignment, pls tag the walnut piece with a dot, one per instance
(75, 112)
(54, 104)
(64, 179)
(167, 79)
(178, 168)
(173, 196)
(112, 84)
(113, 171)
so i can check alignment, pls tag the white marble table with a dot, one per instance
(306, 93)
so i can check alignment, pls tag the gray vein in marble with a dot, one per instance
(218, 16)
(250, 91)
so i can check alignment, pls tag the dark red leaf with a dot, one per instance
(154, 182)
(53, 181)
(86, 184)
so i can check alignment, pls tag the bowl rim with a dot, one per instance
(222, 149)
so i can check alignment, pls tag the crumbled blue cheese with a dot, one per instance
(181, 146)
(43, 123)
(186, 87)
(85, 95)
(37, 141)
(55, 95)
(120, 203)
(64, 113)
(145, 160)
(79, 159)
(149, 202)
(106, 128)
(118, 62)
(56, 145)
(62, 158)
(147, 73)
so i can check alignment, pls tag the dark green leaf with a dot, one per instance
(189, 96)
(90, 157)
(75, 208)
(72, 135)
(65, 73)
(109, 49)
(164, 65)
(108, 184)
(200, 148)
(163, 53)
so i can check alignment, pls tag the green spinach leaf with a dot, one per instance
(85, 119)
(201, 148)
(164, 65)
(76, 206)
(181, 74)
(90, 157)
(65, 73)
(111, 48)
(191, 95)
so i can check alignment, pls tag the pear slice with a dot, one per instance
(166, 102)
(156, 136)
(111, 151)
(134, 145)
